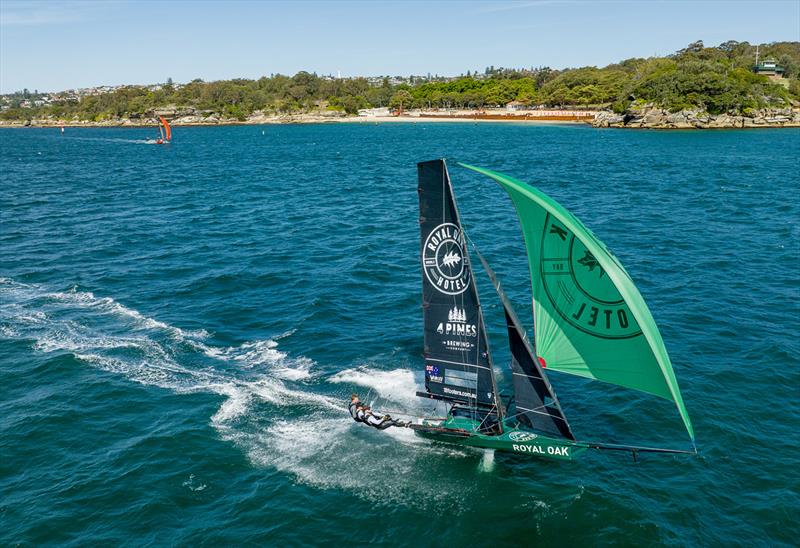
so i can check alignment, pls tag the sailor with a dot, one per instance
(356, 408)
(381, 422)
(363, 413)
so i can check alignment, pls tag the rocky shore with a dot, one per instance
(646, 117)
(186, 117)
(656, 118)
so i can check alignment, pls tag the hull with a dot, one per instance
(464, 431)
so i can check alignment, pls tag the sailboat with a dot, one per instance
(589, 320)
(164, 130)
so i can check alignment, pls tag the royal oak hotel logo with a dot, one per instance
(579, 288)
(443, 259)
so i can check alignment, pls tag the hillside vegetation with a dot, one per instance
(715, 79)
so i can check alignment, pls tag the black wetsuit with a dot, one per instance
(353, 408)
(382, 423)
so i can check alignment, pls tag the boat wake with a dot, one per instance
(395, 387)
(146, 141)
(280, 410)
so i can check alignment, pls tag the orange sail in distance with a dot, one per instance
(166, 131)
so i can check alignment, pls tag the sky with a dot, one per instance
(52, 45)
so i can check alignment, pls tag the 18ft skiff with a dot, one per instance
(589, 320)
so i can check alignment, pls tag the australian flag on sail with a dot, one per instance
(433, 373)
(457, 360)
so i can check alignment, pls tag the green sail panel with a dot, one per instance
(590, 319)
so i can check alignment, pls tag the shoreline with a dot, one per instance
(655, 119)
(296, 121)
(652, 117)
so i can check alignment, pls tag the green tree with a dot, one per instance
(401, 99)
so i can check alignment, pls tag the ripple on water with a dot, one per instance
(180, 326)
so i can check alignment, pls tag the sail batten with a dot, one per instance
(591, 320)
(458, 364)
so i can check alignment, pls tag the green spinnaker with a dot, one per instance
(590, 319)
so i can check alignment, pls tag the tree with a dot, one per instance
(401, 99)
(719, 79)
(694, 47)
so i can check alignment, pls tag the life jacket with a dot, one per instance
(353, 408)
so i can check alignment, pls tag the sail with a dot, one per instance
(537, 406)
(590, 319)
(167, 130)
(458, 365)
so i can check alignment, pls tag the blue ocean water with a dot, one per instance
(180, 326)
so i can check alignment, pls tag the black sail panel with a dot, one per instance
(458, 364)
(536, 401)
(537, 406)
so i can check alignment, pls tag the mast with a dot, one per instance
(458, 365)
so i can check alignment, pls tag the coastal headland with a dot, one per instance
(652, 117)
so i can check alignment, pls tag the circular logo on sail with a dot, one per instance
(522, 436)
(579, 288)
(444, 261)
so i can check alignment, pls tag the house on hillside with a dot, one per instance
(769, 68)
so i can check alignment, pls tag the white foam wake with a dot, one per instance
(263, 353)
(268, 407)
(113, 337)
(398, 386)
(108, 304)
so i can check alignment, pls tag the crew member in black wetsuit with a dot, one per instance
(362, 413)
(381, 422)
(356, 408)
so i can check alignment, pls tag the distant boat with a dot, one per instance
(165, 131)
(591, 321)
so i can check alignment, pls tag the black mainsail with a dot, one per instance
(537, 406)
(458, 365)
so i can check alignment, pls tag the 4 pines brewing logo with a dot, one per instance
(444, 261)
(579, 288)
(456, 330)
(457, 324)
